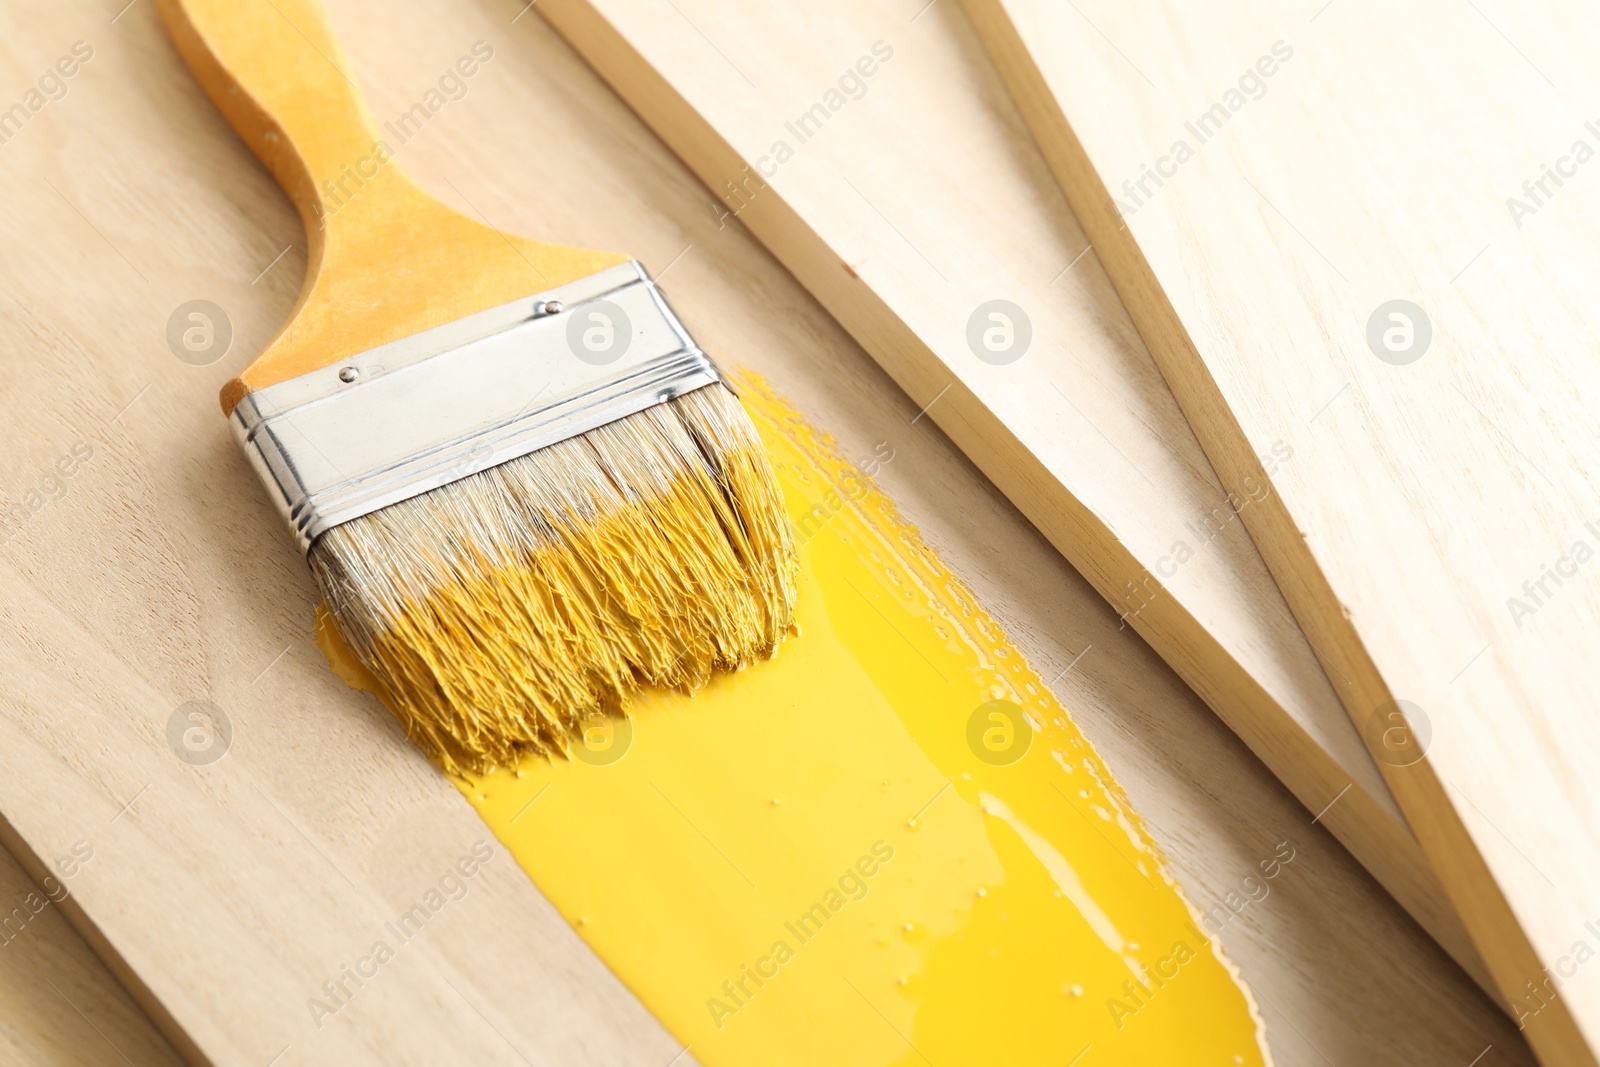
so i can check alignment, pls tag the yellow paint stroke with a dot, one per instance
(808, 863)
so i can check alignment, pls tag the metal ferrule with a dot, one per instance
(404, 418)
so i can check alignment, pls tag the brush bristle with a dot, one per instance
(501, 611)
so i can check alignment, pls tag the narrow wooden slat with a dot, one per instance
(1370, 230)
(907, 212)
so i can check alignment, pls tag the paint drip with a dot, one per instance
(887, 847)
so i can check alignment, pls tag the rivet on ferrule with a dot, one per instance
(404, 418)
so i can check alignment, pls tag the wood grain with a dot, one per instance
(907, 211)
(229, 892)
(61, 1006)
(1432, 531)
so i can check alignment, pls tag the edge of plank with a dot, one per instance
(1482, 908)
(102, 947)
(1383, 846)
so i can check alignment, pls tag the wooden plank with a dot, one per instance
(908, 211)
(1358, 246)
(229, 892)
(61, 1006)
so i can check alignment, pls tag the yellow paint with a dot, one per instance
(965, 913)
(498, 613)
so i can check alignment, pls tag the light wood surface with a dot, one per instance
(229, 892)
(1433, 529)
(59, 1005)
(908, 209)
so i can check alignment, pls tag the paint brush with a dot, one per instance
(521, 487)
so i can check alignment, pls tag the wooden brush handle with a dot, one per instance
(384, 259)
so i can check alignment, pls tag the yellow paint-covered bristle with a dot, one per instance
(500, 611)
